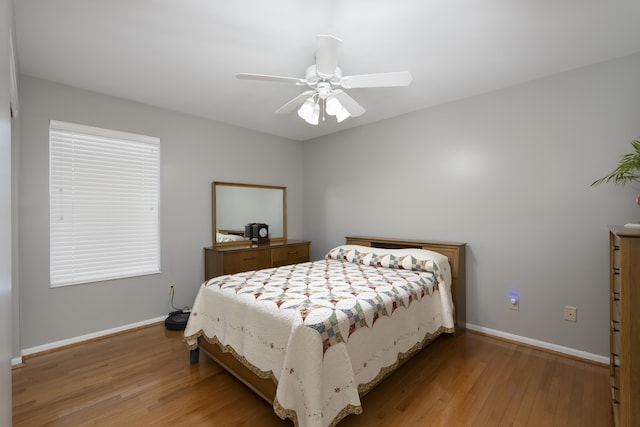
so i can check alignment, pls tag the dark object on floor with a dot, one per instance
(177, 320)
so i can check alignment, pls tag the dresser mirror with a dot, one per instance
(234, 205)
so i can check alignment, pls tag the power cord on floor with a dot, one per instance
(176, 309)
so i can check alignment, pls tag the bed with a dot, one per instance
(313, 338)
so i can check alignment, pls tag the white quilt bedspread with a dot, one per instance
(325, 329)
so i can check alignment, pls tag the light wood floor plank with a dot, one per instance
(144, 378)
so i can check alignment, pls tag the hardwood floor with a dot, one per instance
(143, 378)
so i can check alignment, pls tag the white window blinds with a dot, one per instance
(104, 204)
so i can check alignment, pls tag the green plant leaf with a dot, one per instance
(628, 169)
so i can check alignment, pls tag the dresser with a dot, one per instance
(624, 284)
(221, 260)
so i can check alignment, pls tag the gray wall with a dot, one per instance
(194, 152)
(508, 172)
(6, 339)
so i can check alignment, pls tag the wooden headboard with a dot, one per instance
(452, 250)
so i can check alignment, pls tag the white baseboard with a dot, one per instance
(541, 344)
(87, 337)
(16, 361)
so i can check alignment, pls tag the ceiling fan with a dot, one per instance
(326, 84)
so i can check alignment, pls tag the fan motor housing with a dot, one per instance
(312, 77)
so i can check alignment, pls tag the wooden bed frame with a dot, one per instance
(266, 387)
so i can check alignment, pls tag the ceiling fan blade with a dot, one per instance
(399, 78)
(269, 78)
(327, 54)
(349, 103)
(294, 103)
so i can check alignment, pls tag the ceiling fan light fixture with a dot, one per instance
(310, 111)
(306, 109)
(332, 105)
(314, 119)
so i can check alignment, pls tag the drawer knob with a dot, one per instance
(615, 360)
(614, 326)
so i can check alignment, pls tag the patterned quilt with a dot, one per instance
(326, 330)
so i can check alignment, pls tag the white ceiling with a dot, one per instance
(183, 54)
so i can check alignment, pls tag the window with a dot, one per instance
(104, 191)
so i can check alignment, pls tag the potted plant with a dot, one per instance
(628, 171)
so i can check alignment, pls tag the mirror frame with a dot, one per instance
(214, 212)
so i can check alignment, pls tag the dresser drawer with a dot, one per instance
(233, 259)
(291, 254)
(236, 262)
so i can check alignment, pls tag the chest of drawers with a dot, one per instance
(624, 286)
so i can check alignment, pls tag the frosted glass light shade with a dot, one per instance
(306, 110)
(332, 105)
(315, 115)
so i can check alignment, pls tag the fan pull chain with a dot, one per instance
(323, 107)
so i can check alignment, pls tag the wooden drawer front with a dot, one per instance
(237, 262)
(289, 255)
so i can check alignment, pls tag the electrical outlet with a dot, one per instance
(570, 313)
(172, 288)
(514, 303)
